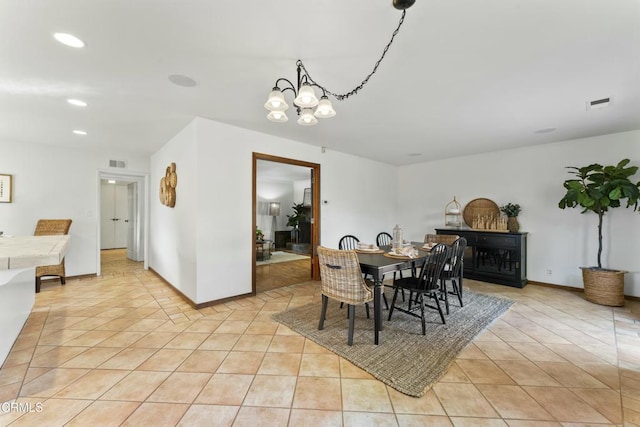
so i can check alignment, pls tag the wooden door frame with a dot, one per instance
(315, 226)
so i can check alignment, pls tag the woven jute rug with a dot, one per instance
(405, 359)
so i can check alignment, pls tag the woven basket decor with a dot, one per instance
(482, 207)
(605, 287)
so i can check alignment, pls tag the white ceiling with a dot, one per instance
(462, 77)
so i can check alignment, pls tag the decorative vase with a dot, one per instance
(512, 224)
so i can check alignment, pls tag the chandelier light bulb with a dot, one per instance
(307, 118)
(324, 110)
(276, 101)
(306, 97)
(277, 116)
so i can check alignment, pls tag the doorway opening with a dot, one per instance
(122, 221)
(285, 222)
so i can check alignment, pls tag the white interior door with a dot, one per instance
(114, 216)
(132, 200)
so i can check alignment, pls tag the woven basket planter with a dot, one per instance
(604, 287)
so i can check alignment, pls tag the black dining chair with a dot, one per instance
(426, 284)
(383, 239)
(453, 270)
(348, 242)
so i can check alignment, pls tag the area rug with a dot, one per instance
(405, 359)
(279, 256)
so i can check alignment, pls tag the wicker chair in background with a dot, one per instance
(342, 281)
(447, 239)
(50, 227)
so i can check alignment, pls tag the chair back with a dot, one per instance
(432, 267)
(348, 242)
(453, 267)
(447, 239)
(341, 276)
(383, 239)
(50, 227)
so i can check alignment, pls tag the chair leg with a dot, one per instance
(386, 303)
(323, 313)
(446, 294)
(393, 303)
(352, 319)
(435, 297)
(424, 325)
(458, 291)
(366, 306)
(63, 280)
(38, 283)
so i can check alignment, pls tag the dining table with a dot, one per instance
(379, 263)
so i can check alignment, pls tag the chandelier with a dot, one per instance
(309, 107)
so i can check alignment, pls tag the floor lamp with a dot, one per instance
(274, 211)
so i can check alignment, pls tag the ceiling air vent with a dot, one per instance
(598, 103)
(117, 164)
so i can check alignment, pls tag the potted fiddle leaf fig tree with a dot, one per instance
(597, 189)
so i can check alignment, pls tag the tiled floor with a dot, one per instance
(124, 349)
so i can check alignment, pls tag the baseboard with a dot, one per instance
(202, 304)
(571, 288)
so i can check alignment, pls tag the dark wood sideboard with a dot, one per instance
(494, 257)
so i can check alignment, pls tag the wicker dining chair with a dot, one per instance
(426, 284)
(342, 281)
(50, 227)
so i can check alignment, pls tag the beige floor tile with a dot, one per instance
(349, 370)
(55, 357)
(483, 372)
(312, 417)
(136, 386)
(477, 422)
(92, 385)
(537, 352)
(605, 373)
(287, 344)
(365, 395)
(129, 358)
(607, 402)
(233, 327)
(50, 383)
(575, 354)
(512, 402)
(407, 420)
(463, 400)
(204, 415)
(253, 343)
(187, 340)
(205, 361)
(471, 351)
(104, 414)
(217, 341)
(318, 393)
(251, 416)
(271, 391)
(262, 328)
(204, 326)
(311, 347)
(180, 387)
(154, 340)
(241, 362)
(570, 375)
(225, 389)
(55, 412)
(280, 364)
(499, 350)
(12, 374)
(320, 365)
(352, 419)
(529, 423)
(524, 372)
(564, 405)
(156, 414)
(425, 405)
(91, 358)
(122, 339)
(165, 359)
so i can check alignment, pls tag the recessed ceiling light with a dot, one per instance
(598, 103)
(80, 132)
(545, 130)
(77, 102)
(111, 181)
(69, 40)
(180, 80)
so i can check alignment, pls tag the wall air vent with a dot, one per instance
(117, 164)
(598, 103)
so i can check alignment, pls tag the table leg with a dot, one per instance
(377, 309)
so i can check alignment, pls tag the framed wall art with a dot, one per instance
(5, 189)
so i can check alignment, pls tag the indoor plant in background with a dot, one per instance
(511, 211)
(293, 220)
(597, 189)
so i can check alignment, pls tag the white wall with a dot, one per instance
(276, 191)
(558, 240)
(55, 182)
(217, 210)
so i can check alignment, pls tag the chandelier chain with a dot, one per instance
(341, 97)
